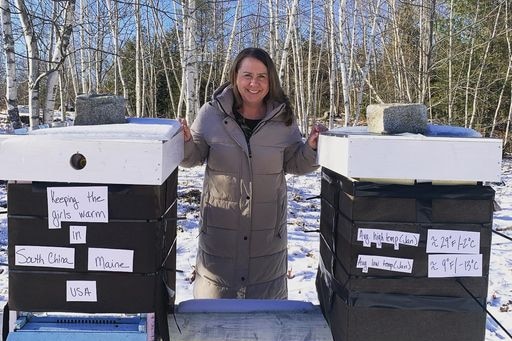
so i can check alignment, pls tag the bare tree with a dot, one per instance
(84, 60)
(450, 64)
(113, 8)
(164, 48)
(331, 56)
(189, 62)
(333, 63)
(343, 47)
(482, 66)
(290, 24)
(272, 15)
(507, 75)
(11, 95)
(231, 40)
(138, 61)
(373, 10)
(470, 65)
(58, 57)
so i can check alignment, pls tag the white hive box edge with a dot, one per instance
(130, 153)
(410, 157)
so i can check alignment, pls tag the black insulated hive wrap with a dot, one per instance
(401, 303)
(141, 219)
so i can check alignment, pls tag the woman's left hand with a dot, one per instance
(313, 135)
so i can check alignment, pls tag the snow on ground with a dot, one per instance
(499, 298)
(303, 220)
(304, 217)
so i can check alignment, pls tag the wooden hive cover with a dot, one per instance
(355, 153)
(141, 152)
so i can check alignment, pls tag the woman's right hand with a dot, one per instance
(187, 135)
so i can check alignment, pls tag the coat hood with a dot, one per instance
(224, 99)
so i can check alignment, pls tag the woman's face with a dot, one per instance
(252, 81)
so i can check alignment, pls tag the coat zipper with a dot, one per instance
(258, 127)
(227, 115)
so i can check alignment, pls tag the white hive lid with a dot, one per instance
(142, 151)
(443, 154)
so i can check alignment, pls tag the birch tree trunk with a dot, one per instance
(58, 58)
(420, 77)
(291, 20)
(189, 59)
(403, 81)
(230, 43)
(425, 52)
(257, 33)
(507, 129)
(118, 61)
(272, 8)
(62, 96)
(138, 61)
(143, 77)
(332, 58)
(469, 67)
(345, 78)
(482, 66)
(11, 93)
(33, 63)
(309, 103)
(83, 51)
(299, 81)
(365, 69)
(507, 76)
(163, 47)
(99, 56)
(181, 46)
(71, 61)
(450, 65)
(316, 88)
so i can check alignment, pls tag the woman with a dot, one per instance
(249, 140)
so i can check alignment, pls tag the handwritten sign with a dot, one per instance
(77, 234)
(455, 265)
(453, 241)
(116, 260)
(44, 256)
(87, 204)
(395, 264)
(81, 291)
(378, 237)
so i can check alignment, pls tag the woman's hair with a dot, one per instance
(275, 91)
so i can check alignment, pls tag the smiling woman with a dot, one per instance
(249, 140)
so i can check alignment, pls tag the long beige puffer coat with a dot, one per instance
(242, 249)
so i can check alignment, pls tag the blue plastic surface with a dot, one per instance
(74, 336)
(450, 131)
(151, 120)
(57, 328)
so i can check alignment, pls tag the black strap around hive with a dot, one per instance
(424, 210)
(334, 226)
(340, 289)
(483, 307)
(412, 302)
(502, 235)
(5, 322)
(161, 323)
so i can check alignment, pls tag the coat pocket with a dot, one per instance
(223, 215)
